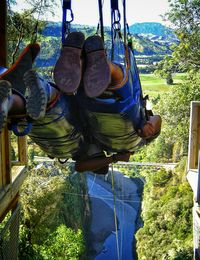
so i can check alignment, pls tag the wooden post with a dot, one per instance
(5, 136)
(22, 149)
(194, 136)
(198, 183)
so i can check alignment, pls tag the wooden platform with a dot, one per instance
(12, 173)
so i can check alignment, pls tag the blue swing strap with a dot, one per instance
(115, 25)
(67, 18)
(15, 128)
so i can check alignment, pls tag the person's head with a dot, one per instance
(104, 170)
(152, 128)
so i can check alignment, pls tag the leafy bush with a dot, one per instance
(52, 215)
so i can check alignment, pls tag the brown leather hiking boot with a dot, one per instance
(24, 63)
(5, 93)
(97, 74)
(68, 68)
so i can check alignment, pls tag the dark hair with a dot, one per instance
(103, 170)
(151, 138)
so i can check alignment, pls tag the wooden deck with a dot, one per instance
(12, 174)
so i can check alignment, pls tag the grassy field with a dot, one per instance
(153, 85)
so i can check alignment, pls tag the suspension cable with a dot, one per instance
(123, 216)
(35, 32)
(115, 213)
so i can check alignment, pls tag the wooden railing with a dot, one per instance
(193, 173)
(12, 174)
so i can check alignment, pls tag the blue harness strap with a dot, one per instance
(65, 21)
(27, 129)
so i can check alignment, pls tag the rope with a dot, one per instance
(35, 33)
(123, 216)
(115, 213)
(93, 182)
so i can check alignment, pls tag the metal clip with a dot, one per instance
(71, 15)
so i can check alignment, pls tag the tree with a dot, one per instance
(64, 243)
(175, 106)
(165, 69)
(185, 18)
(52, 217)
(23, 26)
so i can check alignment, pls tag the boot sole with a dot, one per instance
(97, 74)
(24, 63)
(36, 102)
(68, 68)
(5, 88)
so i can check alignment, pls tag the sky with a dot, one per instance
(86, 11)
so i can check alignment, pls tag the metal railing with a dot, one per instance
(9, 236)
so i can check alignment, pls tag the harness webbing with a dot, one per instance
(65, 21)
(114, 4)
(101, 19)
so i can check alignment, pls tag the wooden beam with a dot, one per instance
(194, 135)
(7, 197)
(22, 150)
(5, 157)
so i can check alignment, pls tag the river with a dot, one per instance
(117, 244)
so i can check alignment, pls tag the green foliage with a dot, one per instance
(167, 215)
(184, 15)
(175, 110)
(50, 203)
(64, 243)
(161, 178)
(23, 27)
(20, 31)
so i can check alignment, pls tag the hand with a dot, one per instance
(151, 127)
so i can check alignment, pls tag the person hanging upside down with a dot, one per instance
(27, 98)
(109, 96)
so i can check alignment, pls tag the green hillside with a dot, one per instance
(150, 49)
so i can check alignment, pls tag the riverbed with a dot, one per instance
(110, 237)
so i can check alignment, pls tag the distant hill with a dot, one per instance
(54, 29)
(151, 28)
(150, 39)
